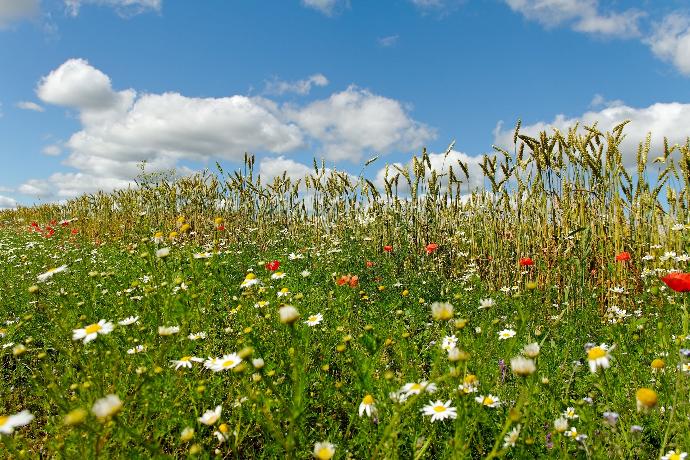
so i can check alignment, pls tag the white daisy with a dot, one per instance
(168, 330)
(368, 406)
(313, 320)
(9, 422)
(185, 361)
(226, 362)
(106, 406)
(211, 416)
(415, 388)
(91, 331)
(486, 303)
(129, 320)
(598, 357)
(49, 274)
(197, 336)
(488, 400)
(506, 334)
(439, 410)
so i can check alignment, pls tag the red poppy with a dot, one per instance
(623, 256)
(49, 232)
(53, 222)
(351, 280)
(75, 231)
(526, 262)
(273, 265)
(370, 264)
(34, 224)
(220, 228)
(679, 282)
(431, 247)
(388, 248)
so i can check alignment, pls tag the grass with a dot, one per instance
(566, 201)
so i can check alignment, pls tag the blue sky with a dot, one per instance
(90, 88)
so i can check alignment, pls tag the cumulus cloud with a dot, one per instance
(581, 15)
(670, 41)
(327, 7)
(7, 202)
(69, 185)
(662, 119)
(120, 129)
(28, 105)
(303, 87)
(355, 121)
(269, 168)
(16, 10)
(123, 7)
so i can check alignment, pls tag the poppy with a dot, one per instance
(220, 228)
(49, 232)
(623, 256)
(679, 282)
(75, 231)
(370, 264)
(431, 247)
(350, 280)
(526, 262)
(273, 265)
(388, 248)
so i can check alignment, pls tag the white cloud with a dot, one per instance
(670, 41)
(123, 7)
(16, 10)
(28, 105)
(69, 185)
(388, 41)
(662, 119)
(303, 87)
(327, 7)
(52, 150)
(355, 121)
(7, 202)
(269, 168)
(582, 15)
(121, 129)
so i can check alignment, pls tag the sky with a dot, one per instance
(90, 89)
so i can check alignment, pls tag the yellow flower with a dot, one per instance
(646, 399)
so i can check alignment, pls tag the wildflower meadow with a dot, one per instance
(542, 314)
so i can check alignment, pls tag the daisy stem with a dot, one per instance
(667, 433)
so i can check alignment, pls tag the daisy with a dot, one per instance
(293, 256)
(49, 274)
(522, 366)
(324, 450)
(197, 336)
(91, 331)
(226, 362)
(129, 320)
(441, 311)
(162, 253)
(9, 422)
(531, 350)
(511, 438)
(168, 330)
(313, 320)
(249, 281)
(211, 416)
(572, 432)
(449, 342)
(137, 349)
(203, 255)
(305, 273)
(367, 405)
(470, 384)
(416, 388)
(646, 399)
(488, 401)
(673, 455)
(598, 357)
(560, 424)
(486, 303)
(278, 276)
(284, 292)
(506, 334)
(288, 314)
(439, 410)
(106, 406)
(570, 414)
(261, 304)
(185, 361)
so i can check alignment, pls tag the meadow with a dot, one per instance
(218, 316)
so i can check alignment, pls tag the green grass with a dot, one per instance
(374, 338)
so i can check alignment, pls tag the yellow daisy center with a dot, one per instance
(674, 457)
(228, 363)
(324, 453)
(368, 399)
(439, 408)
(647, 397)
(250, 276)
(185, 358)
(313, 318)
(488, 401)
(93, 328)
(3, 419)
(415, 387)
(595, 353)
